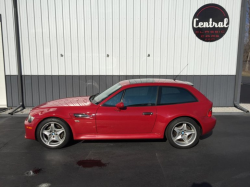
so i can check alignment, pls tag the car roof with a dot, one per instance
(154, 80)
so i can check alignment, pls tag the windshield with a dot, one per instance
(99, 98)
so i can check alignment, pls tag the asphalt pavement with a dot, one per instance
(221, 159)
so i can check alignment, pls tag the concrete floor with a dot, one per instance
(221, 159)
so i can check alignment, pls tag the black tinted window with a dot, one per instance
(140, 96)
(175, 95)
(114, 100)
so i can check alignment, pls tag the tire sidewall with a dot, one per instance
(61, 122)
(182, 119)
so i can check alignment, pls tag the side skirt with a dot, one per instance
(118, 136)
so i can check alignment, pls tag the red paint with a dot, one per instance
(91, 163)
(123, 123)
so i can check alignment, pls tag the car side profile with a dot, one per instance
(130, 109)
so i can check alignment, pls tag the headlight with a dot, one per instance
(30, 119)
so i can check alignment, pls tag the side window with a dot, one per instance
(140, 96)
(114, 100)
(174, 95)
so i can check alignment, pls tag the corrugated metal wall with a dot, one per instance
(115, 37)
(70, 46)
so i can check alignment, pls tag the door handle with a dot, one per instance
(147, 113)
(81, 115)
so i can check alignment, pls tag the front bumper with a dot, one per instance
(30, 128)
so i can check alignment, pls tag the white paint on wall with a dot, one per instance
(3, 100)
(117, 37)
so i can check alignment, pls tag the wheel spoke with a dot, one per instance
(177, 129)
(188, 132)
(52, 126)
(49, 139)
(184, 126)
(59, 131)
(177, 137)
(46, 132)
(57, 138)
(185, 138)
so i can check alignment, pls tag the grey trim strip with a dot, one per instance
(41, 88)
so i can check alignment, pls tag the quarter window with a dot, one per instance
(140, 96)
(174, 95)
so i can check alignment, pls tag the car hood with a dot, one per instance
(67, 102)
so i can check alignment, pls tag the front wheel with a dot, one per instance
(53, 133)
(183, 133)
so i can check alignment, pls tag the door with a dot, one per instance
(138, 115)
(3, 100)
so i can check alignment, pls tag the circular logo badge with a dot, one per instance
(210, 22)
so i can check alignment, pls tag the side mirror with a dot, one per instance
(120, 105)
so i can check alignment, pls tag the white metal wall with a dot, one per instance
(114, 37)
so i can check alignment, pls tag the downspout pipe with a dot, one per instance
(19, 63)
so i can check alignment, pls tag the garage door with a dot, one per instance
(3, 101)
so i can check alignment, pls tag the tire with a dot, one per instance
(183, 133)
(53, 133)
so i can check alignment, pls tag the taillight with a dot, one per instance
(210, 113)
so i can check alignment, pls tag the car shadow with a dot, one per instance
(203, 184)
(205, 136)
(124, 141)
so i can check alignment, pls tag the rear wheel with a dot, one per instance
(53, 133)
(183, 133)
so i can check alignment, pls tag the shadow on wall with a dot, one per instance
(203, 184)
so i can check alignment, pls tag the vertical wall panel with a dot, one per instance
(60, 36)
(164, 38)
(49, 87)
(74, 37)
(102, 37)
(157, 38)
(123, 38)
(116, 38)
(8, 22)
(76, 85)
(53, 37)
(67, 37)
(46, 37)
(83, 90)
(81, 37)
(28, 90)
(32, 37)
(130, 35)
(143, 40)
(95, 36)
(56, 88)
(150, 37)
(171, 36)
(9, 91)
(109, 37)
(39, 38)
(69, 86)
(136, 37)
(35, 90)
(42, 89)
(88, 37)
(62, 86)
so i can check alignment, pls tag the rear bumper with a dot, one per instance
(208, 124)
(30, 128)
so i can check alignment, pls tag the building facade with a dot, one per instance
(81, 47)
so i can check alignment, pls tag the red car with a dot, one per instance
(130, 109)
